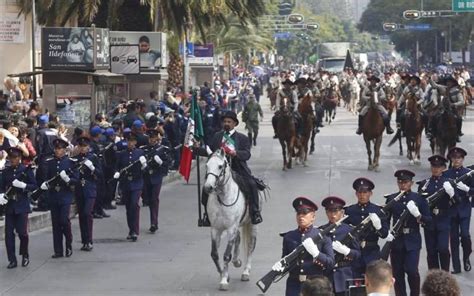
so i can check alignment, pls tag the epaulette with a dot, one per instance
(49, 159)
(422, 181)
(282, 234)
(387, 195)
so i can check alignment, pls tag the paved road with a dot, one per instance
(176, 260)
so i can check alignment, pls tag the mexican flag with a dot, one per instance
(228, 144)
(193, 131)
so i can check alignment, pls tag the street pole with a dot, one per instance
(185, 62)
(33, 46)
(416, 52)
(436, 47)
(450, 39)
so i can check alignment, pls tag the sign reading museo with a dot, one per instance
(73, 48)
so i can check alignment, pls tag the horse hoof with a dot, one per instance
(223, 287)
(412, 162)
(376, 169)
(237, 263)
(370, 167)
(401, 153)
(245, 277)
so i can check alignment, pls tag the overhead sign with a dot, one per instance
(125, 59)
(418, 27)
(463, 5)
(282, 35)
(70, 49)
(12, 28)
(153, 55)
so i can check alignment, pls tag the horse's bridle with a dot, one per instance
(221, 178)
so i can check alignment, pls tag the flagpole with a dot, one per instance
(199, 189)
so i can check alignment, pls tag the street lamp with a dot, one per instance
(390, 27)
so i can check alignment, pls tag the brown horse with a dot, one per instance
(446, 131)
(390, 104)
(309, 121)
(413, 130)
(272, 94)
(372, 130)
(331, 100)
(286, 132)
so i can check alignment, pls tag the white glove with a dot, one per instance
(449, 188)
(413, 209)
(44, 186)
(64, 176)
(208, 150)
(142, 161)
(375, 221)
(390, 237)
(463, 187)
(89, 165)
(310, 247)
(278, 267)
(3, 200)
(116, 175)
(158, 160)
(340, 248)
(18, 184)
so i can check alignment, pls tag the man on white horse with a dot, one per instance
(237, 148)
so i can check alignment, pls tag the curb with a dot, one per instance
(40, 220)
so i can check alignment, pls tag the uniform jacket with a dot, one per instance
(60, 192)
(87, 185)
(307, 265)
(412, 240)
(339, 275)
(441, 212)
(463, 209)
(133, 178)
(21, 204)
(155, 172)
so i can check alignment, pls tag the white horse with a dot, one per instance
(227, 211)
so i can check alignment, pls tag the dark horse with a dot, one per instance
(390, 104)
(331, 99)
(272, 94)
(446, 131)
(286, 132)
(372, 130)
(309, 122)
(413, 130)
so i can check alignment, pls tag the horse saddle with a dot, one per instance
(244, 185)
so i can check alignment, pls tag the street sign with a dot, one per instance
(390, 27)
(411, 14)
(282, 35)
(463, 5)
(125, 59)
(418, 27)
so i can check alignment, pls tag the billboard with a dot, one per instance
(203, 54)
(74, 48)
(152, 46)
(125, 59)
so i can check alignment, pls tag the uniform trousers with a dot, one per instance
(85, 208)
(61, 226)
(406, 262)
(437, 247)
(460, 228)
(131, 200)
(19, 223)
(154, 203)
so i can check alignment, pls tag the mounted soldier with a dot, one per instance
(453, 100)
(287, 92)
(364, 106)
(317, 99)
(412, 89)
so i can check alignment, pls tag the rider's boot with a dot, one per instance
(255, 139)
(359, 125)
(459, 128)
(254, 207)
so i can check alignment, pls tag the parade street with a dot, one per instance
(176, 260)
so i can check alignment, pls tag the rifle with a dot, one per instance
(360, 230)
(35, 194)
(9, 193)
(291, 259)
(385, 252)
(435, 197)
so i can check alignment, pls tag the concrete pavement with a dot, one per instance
(176, 260)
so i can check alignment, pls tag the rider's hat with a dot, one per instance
(333, 203)
(231, 115)
(287, 81)
(437, 160)
(301, 80)
(374, 78)
(452, 79)
(457, 151)
(404, 175)
(304, 205)
(363, 184)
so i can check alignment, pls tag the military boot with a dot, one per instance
(359, 125)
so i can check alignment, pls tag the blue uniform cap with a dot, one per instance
(60, 143)
(333, 203)
(44, 118)
(458, 151)
(96, 130)
(126, 131)
(437, 160)
(363, 184)
(109, 132)
(404, 175)
(137, 123)
(304, 205)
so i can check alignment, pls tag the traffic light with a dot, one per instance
(285, 8)
(390, 27)
(411, 14)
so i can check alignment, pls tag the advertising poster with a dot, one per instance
(125, 59)
(152, 46)
(12, 28)
(103, 48)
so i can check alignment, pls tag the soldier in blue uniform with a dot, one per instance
(109, 159)
(157, 169)
(437, 232)
(380, 225)
(342, 270)
(86, 190)
(131, 182)
(96, 146)
(461, 216)
(405, 252)
(60, 195)
(318, 258)
(17, 180)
